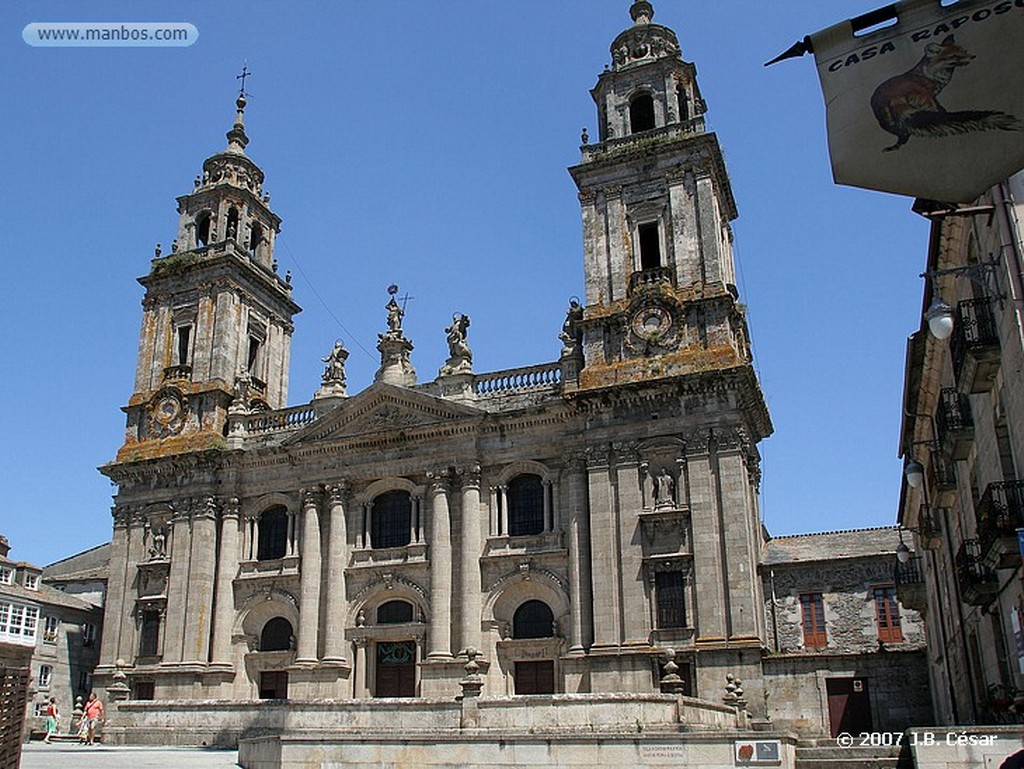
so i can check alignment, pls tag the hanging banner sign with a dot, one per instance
(931, 106)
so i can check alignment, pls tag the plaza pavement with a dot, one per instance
(37, 755)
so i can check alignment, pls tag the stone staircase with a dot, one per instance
(825, 754)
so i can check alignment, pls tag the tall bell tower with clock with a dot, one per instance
(217, 317)
(661, 298)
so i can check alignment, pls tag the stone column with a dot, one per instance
(290, 549)
(227, 566)
(129, 642)
(119, 604)
(494, 512)
(359, 674)
(309, 578)
(503, 517)
(546, 486)
(177, 582)
(364, 525)
(201, 581)
(471, 545)
(252, 527)
(605, 547)
(440, 641)
(337, 557)
(711, 608)
(581, 632)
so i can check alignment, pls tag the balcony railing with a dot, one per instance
(978, 583)
(910, 587)
(181, 371)
(943, 473)
(1000, 514)
(546, 376)
(929, 527)
(954, 422)
(974, 346)
(650, 278)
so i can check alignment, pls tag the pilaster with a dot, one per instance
(203, 560)
(227, 566)
(581, 607)
(177, 587)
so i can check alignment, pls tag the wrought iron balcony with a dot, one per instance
(943, 474)
(654, 277)
(954, 422)
(929, 527)
(910, 586)
(974, 346)
(978, 583)
(1000, 514)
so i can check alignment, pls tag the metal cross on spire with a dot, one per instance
(242, 76)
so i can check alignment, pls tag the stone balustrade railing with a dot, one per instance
(285, 419)
(545, 376)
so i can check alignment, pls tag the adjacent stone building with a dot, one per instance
(844, 655)
(57, 633)
(963, 439)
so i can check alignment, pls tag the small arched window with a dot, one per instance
(641, 113)
(255, 237)
(525, 505)
(391, 520)
(232, 223)
(533, 619)
(684, 104)
(273, 534)
(203, 229)
(394, 613)
(276, 636)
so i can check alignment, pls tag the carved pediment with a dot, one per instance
(384, 408)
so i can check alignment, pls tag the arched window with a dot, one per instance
(394, 613)
(273, 534)
(684, 104)
(391, 520)
(533, 619)
(641, 113)
(525, 505)
(276, 636)
(203, 229)
(255, 237)
(232, 223)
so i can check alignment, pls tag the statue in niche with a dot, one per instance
(572, 333)
(664, 489)
(335, 360)
(158, 544)
(457, 346)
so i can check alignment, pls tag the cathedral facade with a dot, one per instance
(561, 526)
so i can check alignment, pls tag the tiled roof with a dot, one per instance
(831, 545)
(91, 564)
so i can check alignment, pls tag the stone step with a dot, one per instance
(831, 756)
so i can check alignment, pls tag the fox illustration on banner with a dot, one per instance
(944, 80)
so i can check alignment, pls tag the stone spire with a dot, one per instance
(641, 12)
(236, 136)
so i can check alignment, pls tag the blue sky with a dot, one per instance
(426, 144)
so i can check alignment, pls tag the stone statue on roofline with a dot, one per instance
(333, 378)
(460, 357)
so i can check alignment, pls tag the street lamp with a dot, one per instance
(914, 473)
(939, 314)
(940, 318)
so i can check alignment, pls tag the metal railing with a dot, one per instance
(1000, 512)
(975, 328)
(978, 583)
(954, 413)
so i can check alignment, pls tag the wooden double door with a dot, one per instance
(395, 672)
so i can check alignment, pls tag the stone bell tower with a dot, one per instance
(217, 318)
(662, 374)
(660, 286)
